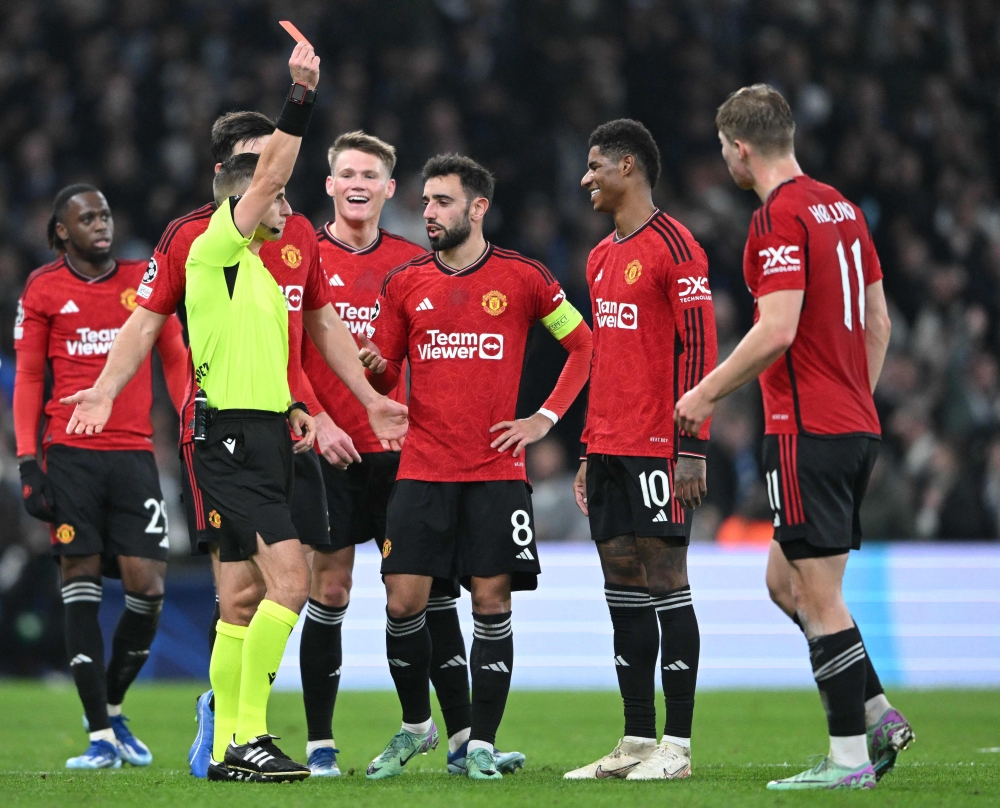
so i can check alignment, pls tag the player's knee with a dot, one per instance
(331, 590)
(402, 606)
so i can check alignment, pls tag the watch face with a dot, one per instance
(298, 93)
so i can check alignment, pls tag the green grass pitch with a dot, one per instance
(742, 739)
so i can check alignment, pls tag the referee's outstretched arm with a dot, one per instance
(278, 158)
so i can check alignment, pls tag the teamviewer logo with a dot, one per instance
(491, 346)
(628, 315)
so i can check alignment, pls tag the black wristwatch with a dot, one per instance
(300, 94)
(298, 405)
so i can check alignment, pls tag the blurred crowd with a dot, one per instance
(897, 104)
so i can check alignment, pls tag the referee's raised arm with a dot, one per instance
(278, 158)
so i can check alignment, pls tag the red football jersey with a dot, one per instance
(293, 261)
(354, 278)
(807, 236)
(73, 319)
(464, 333)
(654, 339)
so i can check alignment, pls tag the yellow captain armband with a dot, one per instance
(563, 320)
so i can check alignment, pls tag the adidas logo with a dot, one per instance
(620, 662)
(499, 667)
(425, 305)
(398, 663)
(257, 756)
(70, 308)
(675, 666)
(336, 281)
(600, 275)
(335, 673)
(525, 555)
(660, 517)
(455, 662)
(271, 677)
(79, 659)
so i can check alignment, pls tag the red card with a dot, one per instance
(294, 32)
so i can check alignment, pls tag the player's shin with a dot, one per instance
(449, 668)
(838, 662)
(679, 656)
(408, 649)
(133, 638)
(492, 661)
(265, 642)
(81, 597)
(320, 657)
(636, 643)
(225, 672)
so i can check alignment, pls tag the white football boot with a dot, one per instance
(669, 762)
(624, 759)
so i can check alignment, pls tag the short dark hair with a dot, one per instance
(234, 176)
(760, 115)
(476, 180)
(624, 136)
(59, 205)
(234, 127)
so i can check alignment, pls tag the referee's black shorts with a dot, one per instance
(246, 475)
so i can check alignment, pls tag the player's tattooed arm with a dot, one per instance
(689, 481)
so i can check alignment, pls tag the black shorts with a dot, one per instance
(461, 530)
(309, 514)
(634, 495)
(816, 486)
(246, 475)
(106, 503)
(358, 497)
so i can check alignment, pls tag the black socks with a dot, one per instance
(81, 601)
(449, 665)
(680, 651)
(133, 638)
(492, 662)
(838, 662)
(637, 641)
(320, 657)
(408, 649)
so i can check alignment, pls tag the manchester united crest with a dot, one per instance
(65, 533)
(495, 302)
(291, 255)
(214, 519)
(128, 299)
(386, 548)
(632, 272)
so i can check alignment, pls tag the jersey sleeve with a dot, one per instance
(777, 254)
(871, 265)
(176, 361)
(31, 325)
(388, 327)
(31, 338)
(222, 243)
(316, 292)
(162, 285)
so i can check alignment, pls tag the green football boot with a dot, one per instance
(827, 775)
(481, 765)
(403, 746)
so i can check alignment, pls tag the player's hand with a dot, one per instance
(580, 488)
(334, 443)
(694, 408)
(93, 409)
(304, 66)
(389, 420)
(304, 427)
(521, 432)
(370, 356)
(34, 490)
(689, 481)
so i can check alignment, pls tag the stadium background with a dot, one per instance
(897, 104)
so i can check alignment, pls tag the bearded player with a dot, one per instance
(654, 337)
(102, 494)
(820, 333)
(461, 505)
(293, 260)
(356, 257)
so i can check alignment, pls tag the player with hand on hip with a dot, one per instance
(820, 334)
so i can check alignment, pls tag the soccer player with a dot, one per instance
(820, 333)
(356, 256)
(654, 336)
(461, 506)
(102, 495)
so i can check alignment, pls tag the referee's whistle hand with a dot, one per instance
(93, 409)
(304, 427)
(304, 66)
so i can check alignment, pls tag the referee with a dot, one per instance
(238, 326)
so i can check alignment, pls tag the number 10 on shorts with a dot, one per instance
(650, 495)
